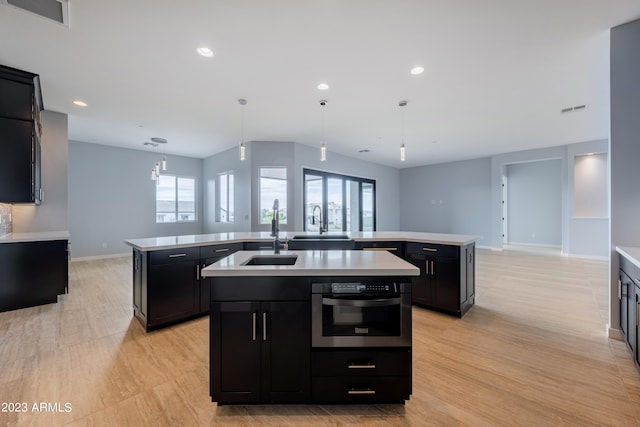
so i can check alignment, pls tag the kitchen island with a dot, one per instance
(310, 326)
(168, 287)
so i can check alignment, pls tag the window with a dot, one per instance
(225, 197)
(344, 203)
(273, 185)
(175, 199)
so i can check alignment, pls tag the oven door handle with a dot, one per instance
(381, 302)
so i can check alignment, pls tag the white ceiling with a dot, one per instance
(498, 72)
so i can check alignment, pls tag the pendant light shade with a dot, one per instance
(164, 163)
(402, 148)
(242, 147)
(323, 147)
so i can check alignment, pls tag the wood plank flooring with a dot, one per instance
(532, 352)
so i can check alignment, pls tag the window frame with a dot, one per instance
(286, 192)
(230, 197)
(176, 201)
(325, 208)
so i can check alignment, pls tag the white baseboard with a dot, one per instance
(92, 258)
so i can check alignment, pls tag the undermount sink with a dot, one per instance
(319, 236)
(271, 260)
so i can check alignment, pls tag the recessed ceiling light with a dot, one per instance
(417, 70)
(205, 51)
(323, 86)
(79, 103)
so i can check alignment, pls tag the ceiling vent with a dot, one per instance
(55, 10)
(576, 108)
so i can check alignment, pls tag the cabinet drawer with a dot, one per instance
(360, 389)
(358, 363)
(219, 250)
(168, 256)
(396, 248)
(433, 249)
(258, 246)
(630, 269)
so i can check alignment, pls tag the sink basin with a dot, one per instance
(319, 236)
(271, 260)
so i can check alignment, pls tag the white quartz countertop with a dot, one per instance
(315, 263)
(172, 242)
(34, 237)
(631, 253)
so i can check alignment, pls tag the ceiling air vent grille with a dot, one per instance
(576, 108)
(55, 10)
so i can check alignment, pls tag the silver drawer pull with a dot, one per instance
(354, 366)
(379, 249)
(265, 247)
(352, 392)
(222, 250)
(430, 249)
(177, 255)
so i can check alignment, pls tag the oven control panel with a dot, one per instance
(361, 288)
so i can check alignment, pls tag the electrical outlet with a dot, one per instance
(533, 235)
(104, 245)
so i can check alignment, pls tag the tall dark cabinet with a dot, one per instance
(20, 106)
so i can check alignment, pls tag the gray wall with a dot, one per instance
(447, 198)
(112, 197)
(624, 149)
(52, 213)
(534, 203)
(471, 194)
(224, 162)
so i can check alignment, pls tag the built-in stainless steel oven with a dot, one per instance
(361, 314)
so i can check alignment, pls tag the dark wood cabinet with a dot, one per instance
(361, 375)
(447, 276)
(260, 350)
(33, 273)
(209, 255)
(20, 106)
(167, 284)
(174, 291)
(629, 299)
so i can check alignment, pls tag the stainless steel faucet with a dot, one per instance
(313, 218)
(276, 227)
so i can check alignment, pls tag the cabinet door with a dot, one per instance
(174, 293)
(16, 99)
(470, 285)
(286, 356)
(16, 162)
(235, 352)
(137, 281)
(625, 287)
(445, 272)
(33, 273)
(421, 287)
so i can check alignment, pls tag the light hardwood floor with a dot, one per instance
(532, 352)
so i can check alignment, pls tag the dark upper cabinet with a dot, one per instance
(20, 106)
(16, 166)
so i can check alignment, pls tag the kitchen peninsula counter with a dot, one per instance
(195, 240)
(172, 275)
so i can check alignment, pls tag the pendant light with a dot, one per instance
(161, 141)
(402, 148)
(323, 147)
(243, 149)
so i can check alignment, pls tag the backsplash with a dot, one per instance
(5, 219)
